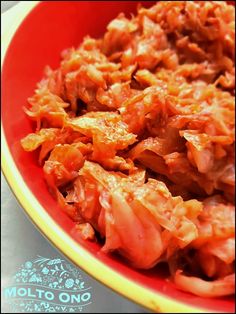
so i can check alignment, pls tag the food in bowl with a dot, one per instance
(135, 133)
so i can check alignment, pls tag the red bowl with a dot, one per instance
(48, 28)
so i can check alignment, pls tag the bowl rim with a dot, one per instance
(75, 252)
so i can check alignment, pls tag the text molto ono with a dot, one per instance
(64, 297)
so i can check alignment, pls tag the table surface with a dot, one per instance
(21, 241)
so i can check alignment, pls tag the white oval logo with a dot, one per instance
(48, 285)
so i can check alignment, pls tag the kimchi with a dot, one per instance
(135, 133)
